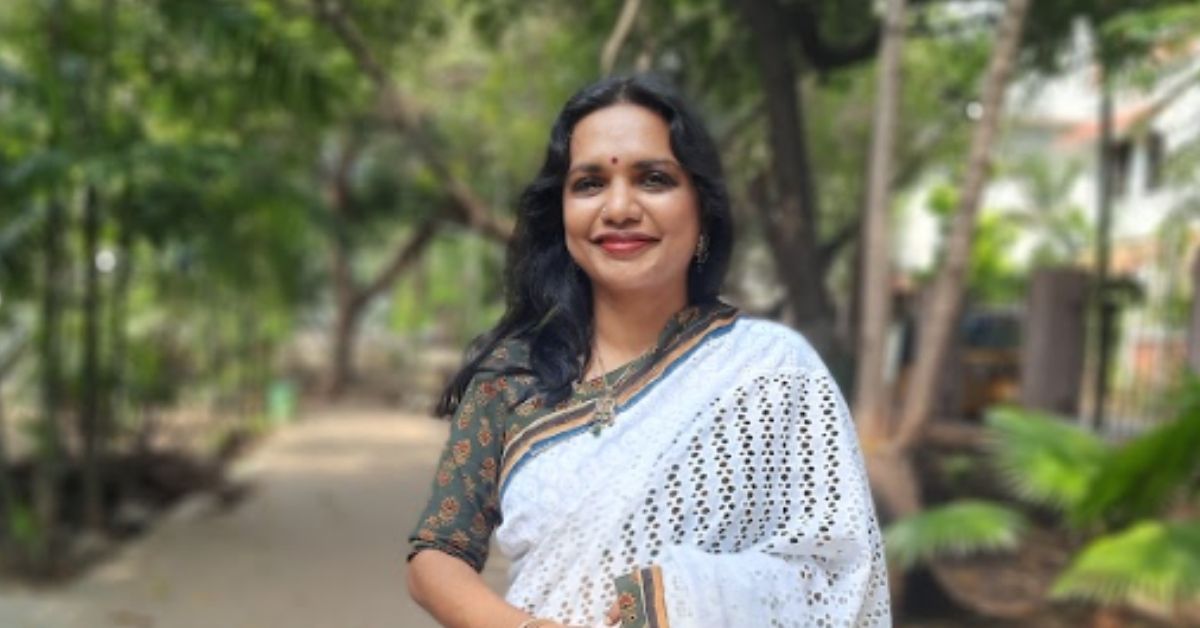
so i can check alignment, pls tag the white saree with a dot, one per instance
(730, 491)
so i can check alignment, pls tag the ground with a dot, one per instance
(319, 542)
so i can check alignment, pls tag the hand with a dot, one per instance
(613, 616)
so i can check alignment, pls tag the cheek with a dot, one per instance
(683, 217)
(575, 229)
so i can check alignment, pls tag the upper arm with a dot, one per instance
(463, 507)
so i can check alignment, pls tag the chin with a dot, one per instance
(654, 286)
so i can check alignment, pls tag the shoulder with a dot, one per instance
(778, 365)
(502, 378)
(773, 345)
(508, 354)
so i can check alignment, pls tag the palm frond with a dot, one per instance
(1152, 559)
(1043, 459)
(1147, 472)
(959, 528)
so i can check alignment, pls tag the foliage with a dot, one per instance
(1044, 459)
(22, 528)
(210, 135)
(1111, 494)
(959, 528)
(1152, 559)
(1129, 31)
(1143, 477)
(992, 277)
(1061, 230)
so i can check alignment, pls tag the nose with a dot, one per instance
(621, 206)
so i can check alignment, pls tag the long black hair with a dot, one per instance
(549, 298)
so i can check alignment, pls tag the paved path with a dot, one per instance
(319, 543)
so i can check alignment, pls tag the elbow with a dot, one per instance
(413, 579)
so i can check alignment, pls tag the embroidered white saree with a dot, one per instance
(729, 492)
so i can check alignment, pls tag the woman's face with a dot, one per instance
(630, 210)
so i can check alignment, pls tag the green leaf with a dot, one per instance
(958, 528)
(1151, 559)
(1043, 459)
(23, 526)
(1148, 471)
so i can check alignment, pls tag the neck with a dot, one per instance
(628, 325)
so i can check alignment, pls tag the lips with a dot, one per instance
(624, 244)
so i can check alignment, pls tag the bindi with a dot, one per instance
(614, 161)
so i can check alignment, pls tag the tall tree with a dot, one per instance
(892, 463)
(401, 114)
(51, 458)
(791, 218)
(93, 403)
(871, 398)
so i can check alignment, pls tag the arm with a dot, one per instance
(450, 542)
(455, 594)
(784, 532)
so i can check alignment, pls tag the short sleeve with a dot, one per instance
(463, 508)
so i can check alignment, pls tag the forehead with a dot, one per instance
(622, 130)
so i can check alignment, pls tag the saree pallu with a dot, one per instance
(729, 491)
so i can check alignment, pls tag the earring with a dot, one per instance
(701, 250)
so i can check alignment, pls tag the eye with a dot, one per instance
(657, 179)
(586, 185)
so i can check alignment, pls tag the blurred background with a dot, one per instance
(244, 242)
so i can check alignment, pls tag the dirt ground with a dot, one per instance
(319, 542)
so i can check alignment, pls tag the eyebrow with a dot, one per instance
(643, 164)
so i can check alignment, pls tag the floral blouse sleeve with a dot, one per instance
(464, 507)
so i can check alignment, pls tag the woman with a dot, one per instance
(641, 452)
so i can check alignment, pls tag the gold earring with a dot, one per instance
(701, 250)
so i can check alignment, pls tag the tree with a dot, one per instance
(870, 397)
(901, 495)
(791, 218)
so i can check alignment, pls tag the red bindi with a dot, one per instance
(614, 160)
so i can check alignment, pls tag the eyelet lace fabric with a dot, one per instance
(738, 476)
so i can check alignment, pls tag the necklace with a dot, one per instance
(606, 404)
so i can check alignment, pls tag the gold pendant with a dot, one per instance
(605, 414)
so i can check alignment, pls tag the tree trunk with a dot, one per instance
(8, 495)
(1104, 310)
(937, 327)
(117, 403)
(790, 221)
(351, 300)
(50, 454)
(345, 332)
(871, 393)
(345, 323)
(89, 406)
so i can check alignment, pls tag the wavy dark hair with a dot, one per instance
(549, 298)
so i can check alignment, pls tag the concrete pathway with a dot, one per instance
(319, 542)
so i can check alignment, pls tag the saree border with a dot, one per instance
(641, 598)
(562, 424)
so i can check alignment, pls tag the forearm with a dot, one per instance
(456, 596)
